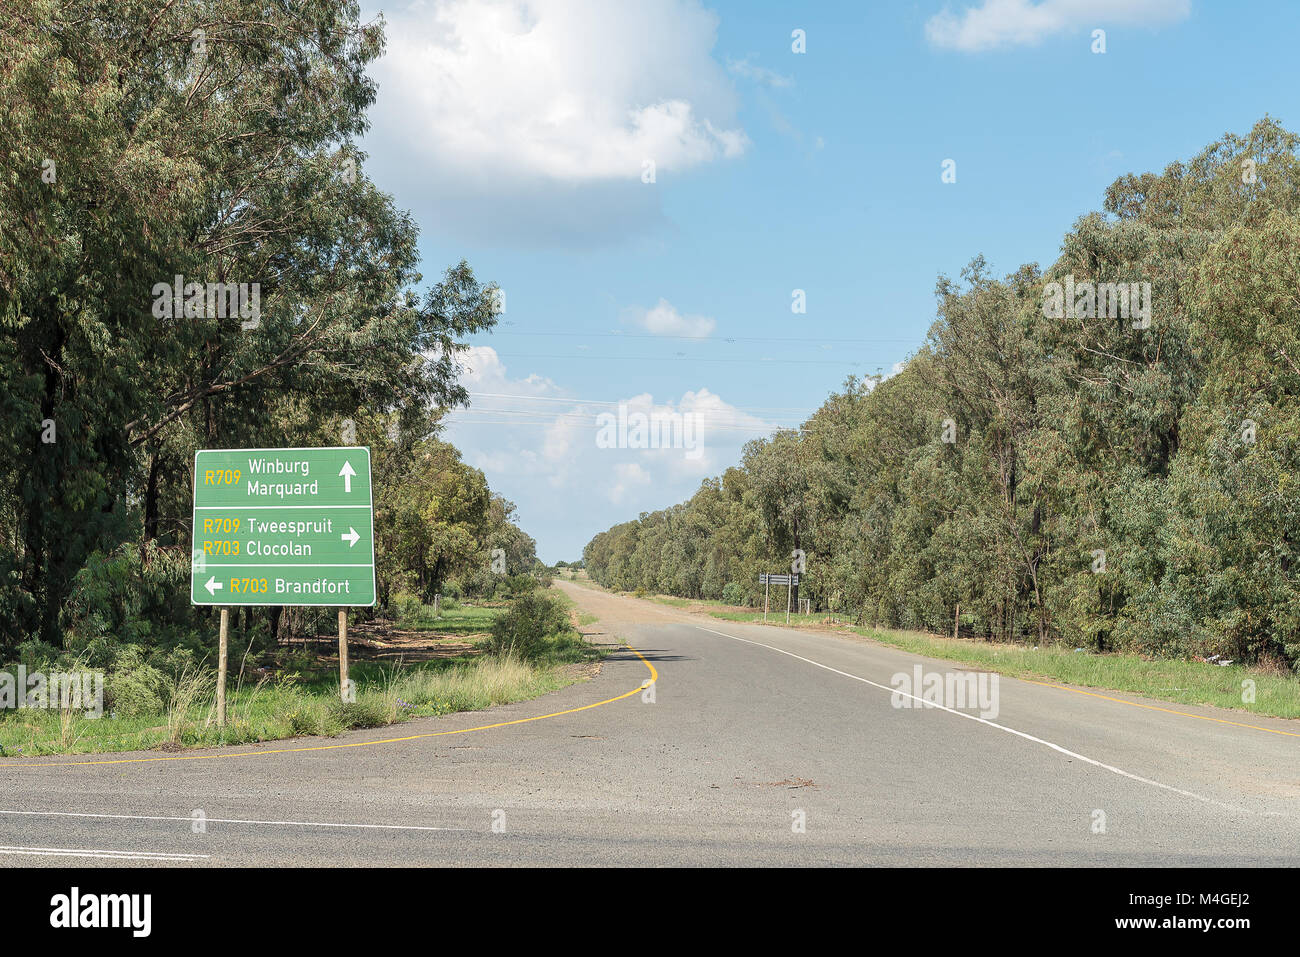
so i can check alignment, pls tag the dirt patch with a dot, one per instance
(581, 670)
(790, 783)
(384, 641)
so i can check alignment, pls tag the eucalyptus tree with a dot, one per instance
(155, 152)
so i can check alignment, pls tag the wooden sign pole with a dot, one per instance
(221, 667)
(343, 653)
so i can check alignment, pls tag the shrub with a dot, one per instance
(133, 596)
(523, 628)
(365, 712)
(37, 655)
(733, 593)
(133, 686)
(477, 583)
(520, 585)
(406, 607)
(304, 721)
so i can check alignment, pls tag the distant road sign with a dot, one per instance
(283, 527)
(765, 579)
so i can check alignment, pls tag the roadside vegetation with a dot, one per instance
(1098, 454)
(472, 657)
(1275, 689)
(107, 396)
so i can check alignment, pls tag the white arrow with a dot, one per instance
(347, 472)
(351, 537)
(212, 585)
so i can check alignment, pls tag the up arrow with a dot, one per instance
(351, 537)
(212, 585)
(347, 472)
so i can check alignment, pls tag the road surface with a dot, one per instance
(754, 745)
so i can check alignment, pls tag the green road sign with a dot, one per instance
(283, 527)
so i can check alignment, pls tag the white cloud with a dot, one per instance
(1005, 23)
(759, 74)
(665, 320)
(627, 474)
(540, 449)
(510, 113)
(483, 371)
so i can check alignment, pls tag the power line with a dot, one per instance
(683, 358)
(755, 429)
(548, 414)
(579, 418)
(728, 339)
(799, 410)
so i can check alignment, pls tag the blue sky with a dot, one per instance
(517, 134)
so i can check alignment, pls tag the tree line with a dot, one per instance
(1103, 452)
(199, 143)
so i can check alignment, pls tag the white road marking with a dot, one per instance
(222, 820)
(992, 724)
(100, 852)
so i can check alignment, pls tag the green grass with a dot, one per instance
(307, 701)
(582, 581)
(462, 620)
(584, 618)
(774, 617)
(1182, 682)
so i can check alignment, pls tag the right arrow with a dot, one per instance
(351, 537)
(347, 472)
(212, 585)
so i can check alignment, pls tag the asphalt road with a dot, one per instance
(747, 733)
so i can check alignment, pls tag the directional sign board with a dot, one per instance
(767, 579)
(283, 527)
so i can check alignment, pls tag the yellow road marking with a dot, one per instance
(654, 677)
(1151, 707)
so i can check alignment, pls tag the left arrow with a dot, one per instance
(212, 585)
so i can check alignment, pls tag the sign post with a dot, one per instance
(343, 653)
(221, 667)
(282, 527)
(789, 581)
